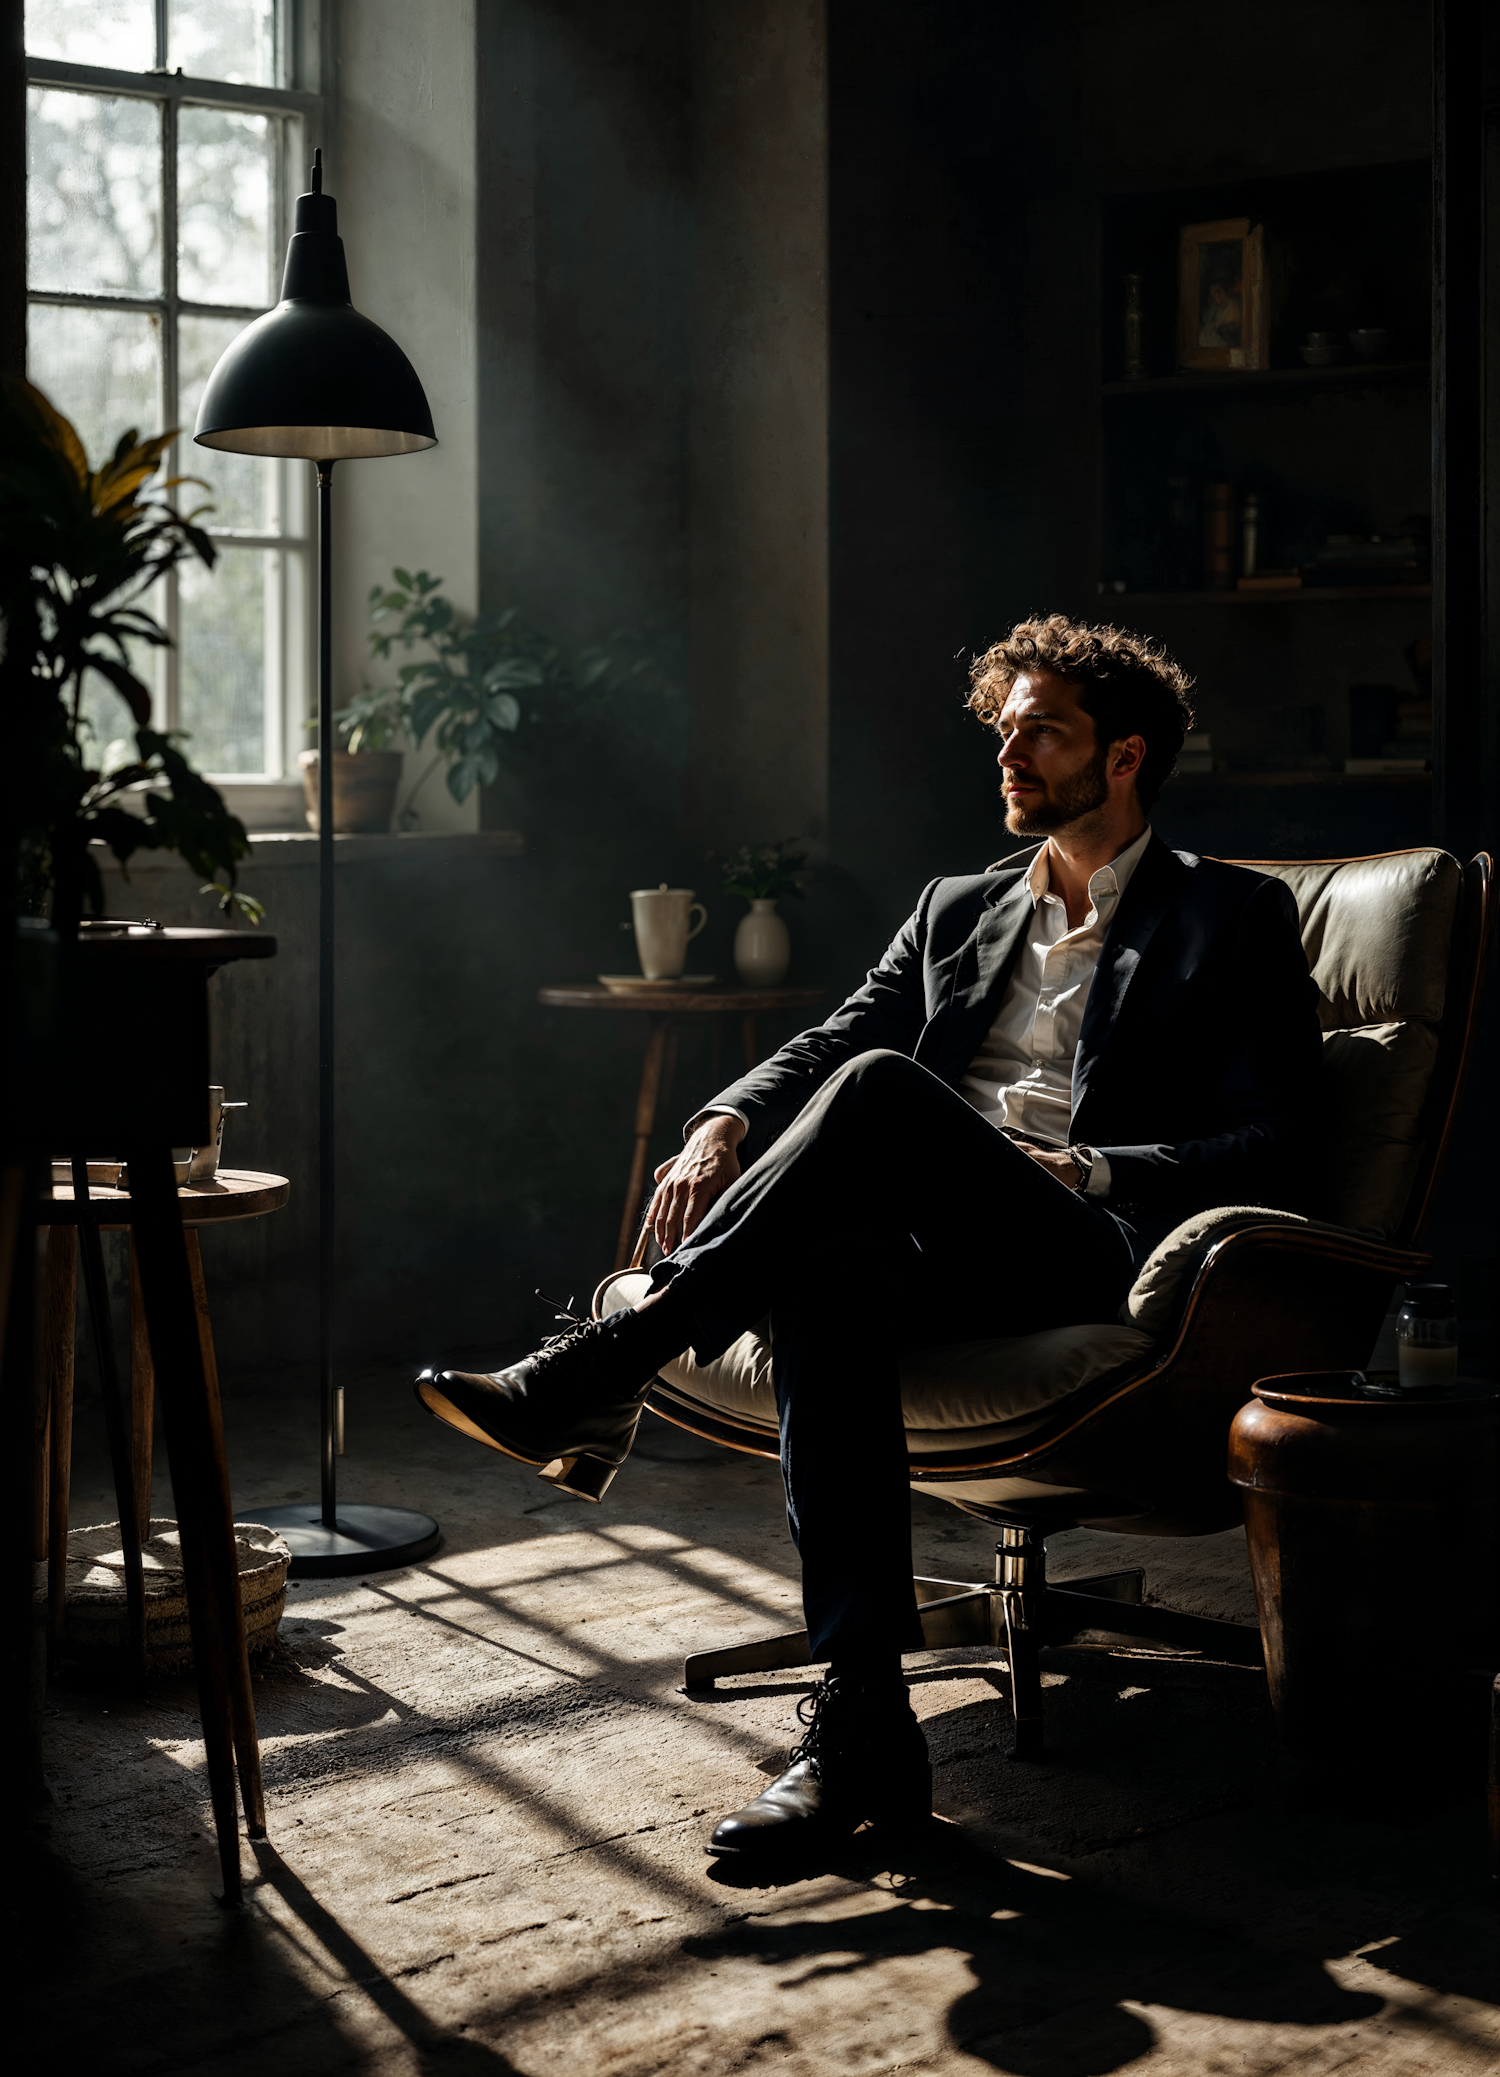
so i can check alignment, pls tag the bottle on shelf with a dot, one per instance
(1134, 341)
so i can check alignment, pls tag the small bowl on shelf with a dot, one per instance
(1321, 349)
(1372, 342)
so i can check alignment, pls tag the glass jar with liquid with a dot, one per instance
(1427, 1337)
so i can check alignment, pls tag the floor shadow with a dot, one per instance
(222, 1993)
(436, 2048)
(1056, 1961)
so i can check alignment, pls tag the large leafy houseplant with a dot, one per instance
(80, 549)
(478, 681)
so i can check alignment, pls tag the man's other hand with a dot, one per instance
(1056, 1160)
(688, 1187)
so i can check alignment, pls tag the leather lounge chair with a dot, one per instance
(1124, 1425)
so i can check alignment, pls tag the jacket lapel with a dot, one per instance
(1154, 887)
(951, 1042)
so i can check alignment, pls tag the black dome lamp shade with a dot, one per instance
(315, 381)
(312, 378)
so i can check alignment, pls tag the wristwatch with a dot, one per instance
(1082, 1159)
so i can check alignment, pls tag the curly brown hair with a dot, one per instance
(1127, 683)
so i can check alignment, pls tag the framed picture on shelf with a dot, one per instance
(1221, 295)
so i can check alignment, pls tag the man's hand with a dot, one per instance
(687, 1187)
(1056, 1161)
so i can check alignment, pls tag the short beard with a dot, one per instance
(1084, 794)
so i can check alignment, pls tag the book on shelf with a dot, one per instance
(1382, 767)
(1271, 580)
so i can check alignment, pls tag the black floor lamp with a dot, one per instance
(312, 380)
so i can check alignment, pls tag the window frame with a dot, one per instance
(303, 32)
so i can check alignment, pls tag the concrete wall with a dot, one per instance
(404, 175)
(759, 423)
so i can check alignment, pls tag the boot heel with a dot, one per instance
(587, 1478)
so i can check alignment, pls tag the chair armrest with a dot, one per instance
(1268, 1299)
(1322, 1281)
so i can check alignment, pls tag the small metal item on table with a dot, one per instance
(665, 1007)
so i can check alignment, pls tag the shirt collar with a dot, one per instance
(1108, 882)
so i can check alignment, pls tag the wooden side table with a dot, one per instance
(1374, 1529)
(665, 1007)
(121, 1065)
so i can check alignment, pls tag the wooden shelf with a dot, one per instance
(1303, 779)
(1247, 380)
(1315, 592)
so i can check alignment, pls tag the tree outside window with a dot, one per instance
(165, 140)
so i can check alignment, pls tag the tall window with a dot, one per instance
(165, 140)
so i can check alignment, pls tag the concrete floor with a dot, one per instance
(488, 1802)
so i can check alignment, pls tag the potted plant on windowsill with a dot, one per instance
(476, 686)
(367, 771)
(79, 550)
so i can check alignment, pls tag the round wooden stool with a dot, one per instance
(233, 1194)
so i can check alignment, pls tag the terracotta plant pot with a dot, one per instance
(364, 790)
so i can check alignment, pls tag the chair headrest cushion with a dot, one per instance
(1377, 933)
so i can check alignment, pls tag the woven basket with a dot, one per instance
(95, 1630)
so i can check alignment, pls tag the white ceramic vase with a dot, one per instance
(762, 947)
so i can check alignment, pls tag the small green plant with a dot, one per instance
(480, 680)
(375, 719)
(767, 872)
(79, 550)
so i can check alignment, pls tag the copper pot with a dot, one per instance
(1372, 1525)
(364, 790)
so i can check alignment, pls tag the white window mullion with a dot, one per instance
(171, 387)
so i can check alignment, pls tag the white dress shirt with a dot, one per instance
(1022, 1076)
(1021, 1079)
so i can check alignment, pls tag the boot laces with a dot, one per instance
(575, 1331)
(814, 1711)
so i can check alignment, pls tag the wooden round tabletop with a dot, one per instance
(234, 1193)
(743, 1002)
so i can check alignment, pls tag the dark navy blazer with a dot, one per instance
(1199, 1052)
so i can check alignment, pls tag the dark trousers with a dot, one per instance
(889, 1217)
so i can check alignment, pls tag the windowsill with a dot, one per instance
(300, 847)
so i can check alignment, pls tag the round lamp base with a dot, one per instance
(365, 1539)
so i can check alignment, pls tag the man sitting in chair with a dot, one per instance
(1054, 1063)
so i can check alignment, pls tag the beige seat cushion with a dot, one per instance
(964, 1394)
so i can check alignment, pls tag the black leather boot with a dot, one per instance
(572, 1409)
(863, 1758)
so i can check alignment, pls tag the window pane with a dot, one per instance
(227, 623)
(224, 187)
(101, 368)
(93, 195)
(121, 33)
(224, 39)
(242, 487)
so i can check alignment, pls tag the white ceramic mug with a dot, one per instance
(663, 928)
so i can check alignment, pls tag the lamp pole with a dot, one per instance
(327, 1192)
(312, 380)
